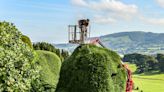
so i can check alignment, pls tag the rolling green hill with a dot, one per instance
(129, 42)
(135, 42)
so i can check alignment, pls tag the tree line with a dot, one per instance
(146, 63)
(49, 47)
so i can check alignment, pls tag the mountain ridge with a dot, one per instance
(129, 42)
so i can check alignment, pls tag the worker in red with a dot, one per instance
(83, 24)
(129, 82)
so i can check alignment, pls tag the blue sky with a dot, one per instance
(47, 20)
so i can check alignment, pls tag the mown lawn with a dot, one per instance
(148, 82)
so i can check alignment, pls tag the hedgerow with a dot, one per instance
(50, 68)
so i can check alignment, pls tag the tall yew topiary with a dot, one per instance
(16, 61)
(92, 69)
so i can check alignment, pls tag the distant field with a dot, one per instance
(148, 83)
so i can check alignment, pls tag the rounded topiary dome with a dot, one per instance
(50, 69)
(92, 69)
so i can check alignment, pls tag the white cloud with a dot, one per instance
(160, 2)
(112, 11)
(79, 2)
(108, 11)
(153, 21)
(107, 5)
(104, 20)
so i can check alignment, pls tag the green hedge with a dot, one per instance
(16, 67)
(26, 40)
(92, 69)
(50, 67)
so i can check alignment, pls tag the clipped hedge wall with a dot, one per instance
(50, 68)
(92, 69)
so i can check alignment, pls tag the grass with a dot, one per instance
(148, 83)
(50, 65)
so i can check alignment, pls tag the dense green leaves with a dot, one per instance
(49, 47)
(26, 40)
(16, 60)
(160, 58)
(145, 63)
(88, 69)
(92, 69)
(50, 67)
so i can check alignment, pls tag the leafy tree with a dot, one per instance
(49, 47)
(144, 63)
(131, 58)
(152, 64)
(44, 46)
(160, 58)
(64, 53)
(17, 66)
